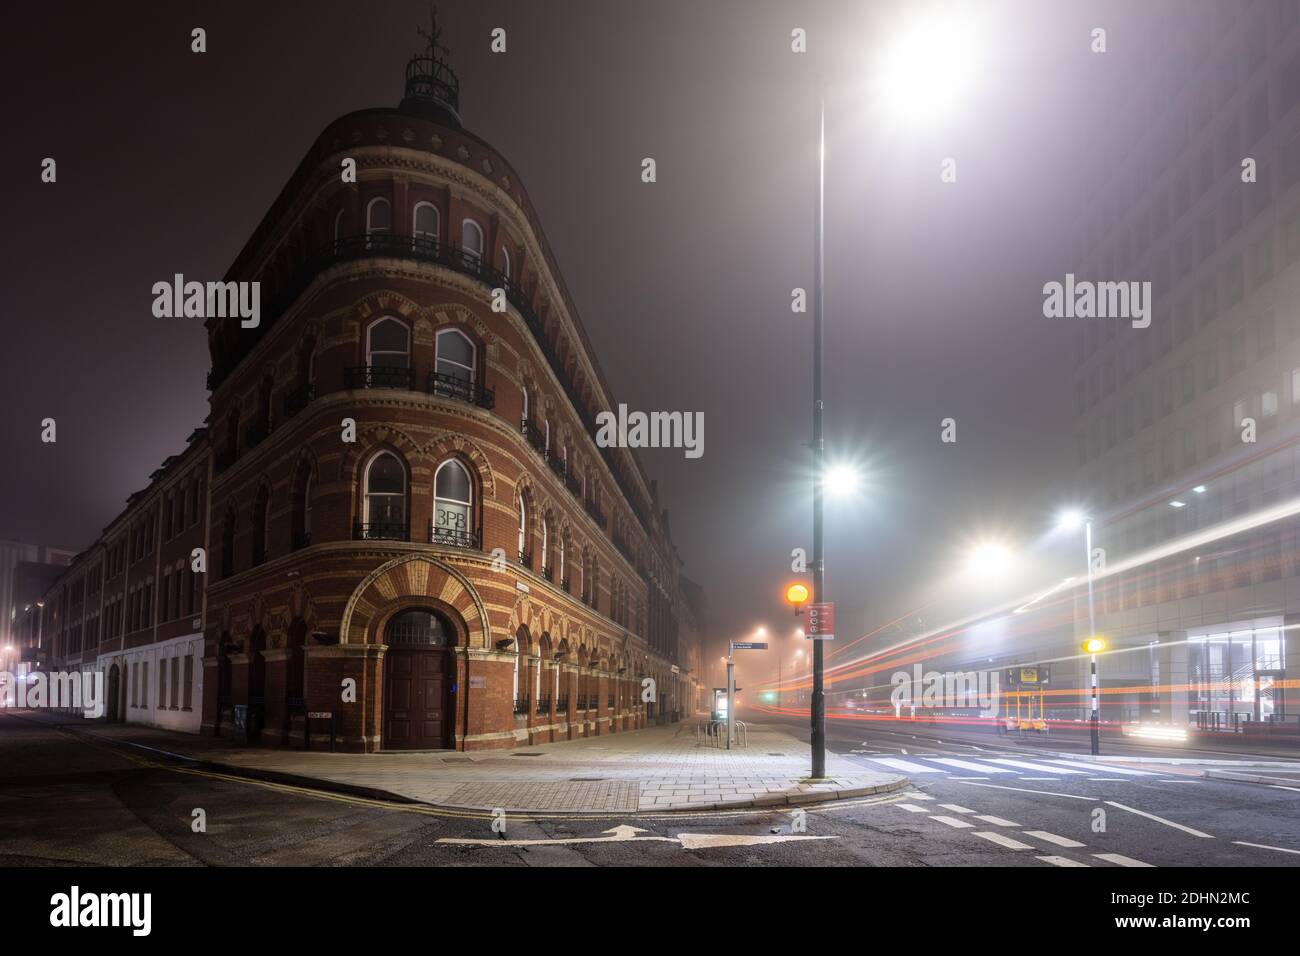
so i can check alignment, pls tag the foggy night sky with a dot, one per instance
(167, 160)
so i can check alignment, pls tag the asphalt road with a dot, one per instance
(67, 800)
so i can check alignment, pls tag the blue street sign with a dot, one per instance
(749, 646)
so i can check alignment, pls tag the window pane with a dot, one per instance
(452, 482)
(426, 220)
(388, 336)
(386, 476)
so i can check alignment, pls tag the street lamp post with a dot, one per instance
(1092, 634)
(818, 708)
(1093, 644)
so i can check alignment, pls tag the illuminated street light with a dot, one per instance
(989, 559)
(842, 480)
(796, 595)
(1071, 520)
(1094, 645)
(929, 66)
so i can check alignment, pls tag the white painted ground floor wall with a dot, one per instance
(161, 684)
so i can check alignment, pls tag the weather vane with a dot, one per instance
(434, 33)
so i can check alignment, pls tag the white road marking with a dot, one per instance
(954, 822)
(970, 778)
(970, 765)
(956, 808)
(630, 834)
(912, 807)
(1278, 786)
(1001, 840)
(919, 796)
(1106, 779)
(1168, 823)
(1265, 846)
(1039, 778)
(906, 766)
(903, 749)
(1119, 860)
(1093, 768)
(1028, 765)
(996, 821)
(1060, 861)
(1047, 793)
(1054, 838)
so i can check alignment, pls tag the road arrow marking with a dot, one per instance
(630, 834)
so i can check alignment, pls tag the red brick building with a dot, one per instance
(411, 526)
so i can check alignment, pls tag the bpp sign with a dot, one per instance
(821, 622)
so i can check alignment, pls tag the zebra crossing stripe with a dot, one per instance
(970, 765)
(1040, 767)
(906, 766)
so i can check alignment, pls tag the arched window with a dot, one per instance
(379, 217)
(262, 526)
(425, 226)
(515, 694)
(338, 225)
(546, 431)
(419, 628)
(471, 239)
(505, 261)
(525, 394)
(453, 504)
(385, 492)
(546, 549)
(524, 557)
(388, 344)
(454, 364)
(564, 579)
(302, 510)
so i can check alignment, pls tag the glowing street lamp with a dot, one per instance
(1093, 646)
(921, 71)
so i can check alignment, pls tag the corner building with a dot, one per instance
(407, 502)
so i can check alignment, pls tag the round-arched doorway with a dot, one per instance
(418, 677)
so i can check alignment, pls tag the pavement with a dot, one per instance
(656, 769)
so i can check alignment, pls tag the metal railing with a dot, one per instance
(380, 531)
(535, 436)
(453, 537)
(543, 706)
(350, 248)
(562, 704)
(449, 386)
(379, 376)
(594, 510)
(521, 706)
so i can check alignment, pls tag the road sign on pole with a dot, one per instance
(749, 646)
(821, 622)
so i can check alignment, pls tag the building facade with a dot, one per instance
(1188, 431)
(412, 529)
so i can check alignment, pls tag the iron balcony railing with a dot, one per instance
(593, 509)
(449, 386)
(564, 583)
(521, 706)
(298, 399)
(526, 558)
(610, 702)
(451, 256)
(562, 704)
(380, 530)
(543, 706)
(573, 484)
(379, 376)
(453, 537)
(535, 436)
(448, 255)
